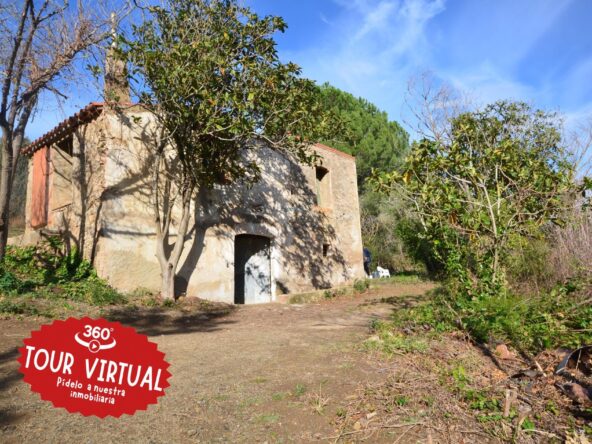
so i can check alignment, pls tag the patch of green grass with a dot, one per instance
(361, 285)
(17, 308)
(389, 341)
(402, 278)
(402, 401)
(558, 318)
(483, 402)
(494, 417)
(299, 390)
(552, 408)
(268, 418)
(280, 396)
(460, 378)
(528, 424)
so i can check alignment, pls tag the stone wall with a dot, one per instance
(111, 218)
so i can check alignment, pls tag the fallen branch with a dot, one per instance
(511, 396)
(405, 432)
(385, 426)
(542, 432)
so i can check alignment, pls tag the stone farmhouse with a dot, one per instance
(296, 230)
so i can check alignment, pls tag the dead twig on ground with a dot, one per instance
(511, 396)
(404, 433)
(373, 429)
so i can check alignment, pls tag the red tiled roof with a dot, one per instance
(333, 150)
(65, 128)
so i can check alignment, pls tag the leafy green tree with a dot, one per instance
(503, 172)
(210, 72)
(376, 142)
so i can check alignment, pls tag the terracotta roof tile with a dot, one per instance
(65, 128)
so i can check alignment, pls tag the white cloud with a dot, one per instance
(372, 45)
(375, 20)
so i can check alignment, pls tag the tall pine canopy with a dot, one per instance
(374, 140)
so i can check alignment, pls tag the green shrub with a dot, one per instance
(389, 231)
(361, 285)
(50, 272)
(9, 283)
(169, 303)
(529, 265)
(94, 291)
(553, 319)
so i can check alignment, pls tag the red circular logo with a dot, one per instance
(94, 367)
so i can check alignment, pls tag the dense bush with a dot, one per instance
(558, 318)
(361, 285)
(501, 173)
(49, 271)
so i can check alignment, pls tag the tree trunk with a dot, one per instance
(170, 260)
(5, 191)
(168, 282)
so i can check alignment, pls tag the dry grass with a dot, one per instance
(571, 252)
(455, 393)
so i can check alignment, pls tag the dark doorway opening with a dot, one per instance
(252, 269)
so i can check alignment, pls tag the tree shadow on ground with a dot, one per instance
(401, 302)
(155, 321)
(8, 418)
(7, 377)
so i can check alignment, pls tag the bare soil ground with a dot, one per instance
(273, 373)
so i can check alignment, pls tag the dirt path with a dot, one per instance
(274, 373)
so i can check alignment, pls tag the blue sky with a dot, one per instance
(539, 51)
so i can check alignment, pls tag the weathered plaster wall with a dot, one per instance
(76, 184)
(111, 217)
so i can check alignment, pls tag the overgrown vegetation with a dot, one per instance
(389, 231)
(390, 341)
(49, 271)
(557, 318)
(490, 198)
